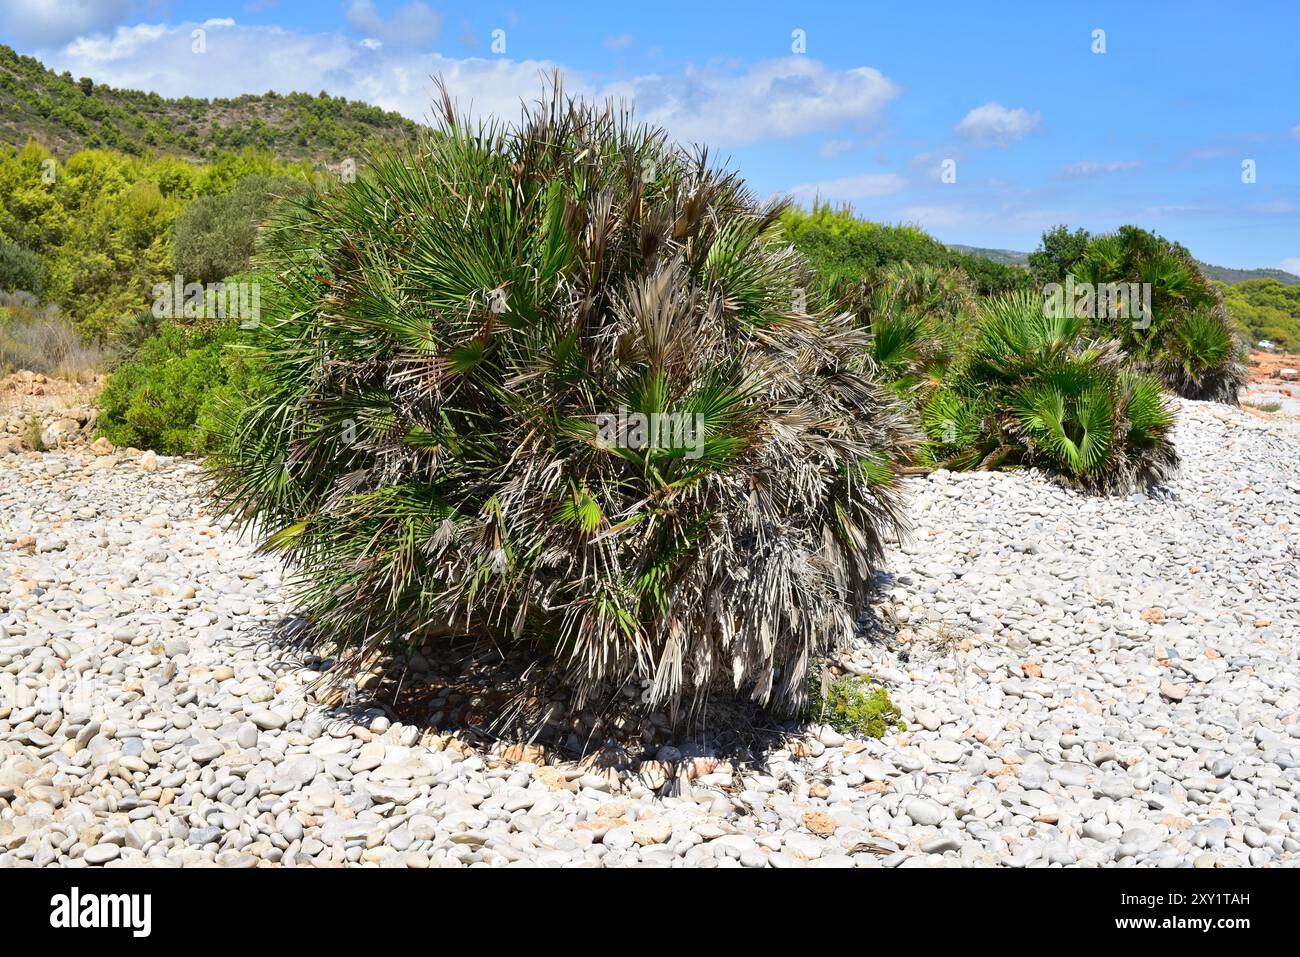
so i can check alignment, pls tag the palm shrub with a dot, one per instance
(1036, 390)
(439, 345)
(1189, 341)
(918, 319)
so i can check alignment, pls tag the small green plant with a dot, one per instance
(851, 706)
(34, 434)
(1267, 406)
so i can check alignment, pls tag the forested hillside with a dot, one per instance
(1268, 310)
(67, 114)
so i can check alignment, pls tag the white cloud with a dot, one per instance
(620, 42)
(769, 99)
(409, 25)
(868, 186)
(1097, 167)
(931, 218)
(833, 148)
(716, 105)
(994, 123)
(42, 24)
(1277, 207)
(1295, 132)
(124, 43)
(1290, 265)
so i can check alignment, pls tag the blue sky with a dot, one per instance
(1039, 129)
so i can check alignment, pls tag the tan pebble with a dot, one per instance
(819, 823)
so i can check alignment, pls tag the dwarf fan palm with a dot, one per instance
(473, 350)
(917, 317)
(1187, 338)
(1036, 391)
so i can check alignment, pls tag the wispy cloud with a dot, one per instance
(620, 42)
(833, 148)
(1085, 168)
(994, 124)
(1276, 207)
(867, 186)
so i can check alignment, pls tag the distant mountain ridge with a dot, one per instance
(1234, 276)
(1009, 257)
(1220, 273)
(66, 114)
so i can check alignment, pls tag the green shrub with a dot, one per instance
(442, 342)
(102, 229)
(214, 236)
(842, 247)
(20, 269)
(850, 705)
(1036, 390)
(170, 394)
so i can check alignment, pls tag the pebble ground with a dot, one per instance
(1085, 681)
